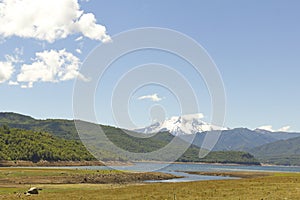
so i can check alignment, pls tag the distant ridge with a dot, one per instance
(270, 147)
(15, 117)
(58, 127)
(282, 152)
(65, 129)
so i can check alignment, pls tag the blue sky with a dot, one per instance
(255, 45)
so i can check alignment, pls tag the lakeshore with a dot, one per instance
(83, 184)
(43, 163)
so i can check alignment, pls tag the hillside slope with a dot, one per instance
(241, 139)
(64, 132)
(58, 127)
(283, 152)
(238, 139)
(18, 144)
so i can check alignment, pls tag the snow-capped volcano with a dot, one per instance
(181, 125)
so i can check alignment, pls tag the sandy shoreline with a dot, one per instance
(9, 176)
(237, 174)
(22, 163)
(196, 163)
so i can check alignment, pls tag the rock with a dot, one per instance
(33, 190)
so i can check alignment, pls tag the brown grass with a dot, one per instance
(239, 174)
(271, 186)
(10, 176)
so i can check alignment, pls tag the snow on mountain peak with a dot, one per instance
(181, 125)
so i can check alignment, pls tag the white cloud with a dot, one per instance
(78, 51)
(15, 58)
(193, 116)
(6, 71)
(153, 97)
(270, 128)
(88, 27)
(30, 85)
(48, 20)
(7, 67)
(50, 66)
(79, 38)
(13, 83)
(284, 129)
(266, 127)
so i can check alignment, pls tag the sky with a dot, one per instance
(254, 44)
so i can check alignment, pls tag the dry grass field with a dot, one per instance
(253, 185)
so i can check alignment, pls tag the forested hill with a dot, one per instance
(283, 152)
(25, 138)
(18, 144)
(58, 127)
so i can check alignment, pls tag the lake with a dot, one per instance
(175, 168)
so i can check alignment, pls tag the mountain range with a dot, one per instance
(40, 136)
(192, 128)
(269, 147)
(282, 152)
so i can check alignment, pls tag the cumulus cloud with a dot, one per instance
(152, 97)
(266, 127)
(48, 20)
(6, 71)
(29, 85)
(193, 116)
(50, 66)
(284, 129)
(270, 128)
(13, 83)
(88, 27)
(7, 67)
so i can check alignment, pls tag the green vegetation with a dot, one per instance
(283, 152)
(225, 157)
(61, 143)
(287, 160)
(18, 144)
(58, 127)
(159, 140)
(33, 176)
(51, 172)
(136, 144)
(255, 185)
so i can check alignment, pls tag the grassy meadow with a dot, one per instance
(253, 186)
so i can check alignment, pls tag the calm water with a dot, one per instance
(174, 168)
(188, 177)
(145, 166)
